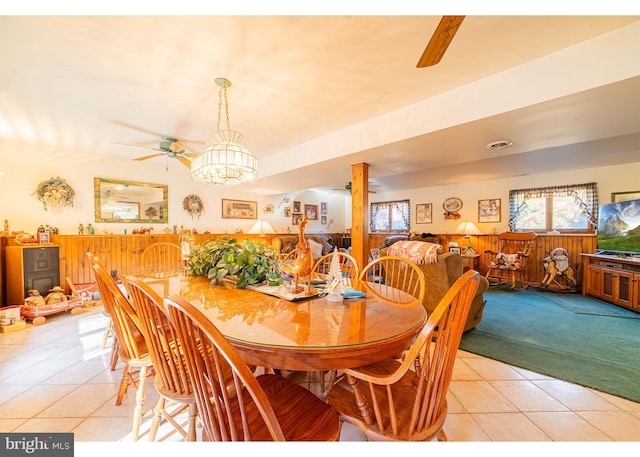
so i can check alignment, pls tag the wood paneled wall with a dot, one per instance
(122, 252)
(574, 244)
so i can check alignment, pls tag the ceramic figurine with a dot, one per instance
(80, 229)
(90, 230)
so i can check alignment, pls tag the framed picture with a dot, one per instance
(43, 237)
(287, 211)
(268, 209)
(323, 220)
(296, 219)
(239, 209)
(311, 211)
(323, 208)
(297, 207)
(375, 253)
(455, 249)
(489, 210)
(423, 213)
(624, 196)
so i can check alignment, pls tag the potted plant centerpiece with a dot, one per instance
(242, 262)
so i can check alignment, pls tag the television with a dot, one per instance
(619, 228)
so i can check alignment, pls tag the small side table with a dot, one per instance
(471, 262)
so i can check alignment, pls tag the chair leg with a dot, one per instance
(137, 411)
(124, 384)
(157, 417)
(193, 415)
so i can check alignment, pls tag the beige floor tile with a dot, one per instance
(8, 391)
(618, 426)
(46, 425)
(493, 370)
(101, 429)
(38, 373)
(576, 398)
(527, 396)
(509, 427)
(80, 402)
(622, 403)
(34, 400)
(453, 405)
(8, 425)
(530, 374)
(566, 426)
(79, 373)
(463, 372)
(480, 397)
(462, 427)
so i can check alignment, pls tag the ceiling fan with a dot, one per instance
(170, 147)
(440, 41)
(347, 187)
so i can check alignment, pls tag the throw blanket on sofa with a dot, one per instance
(419, 252)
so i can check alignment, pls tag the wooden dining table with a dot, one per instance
(308, 334)
(311, 334)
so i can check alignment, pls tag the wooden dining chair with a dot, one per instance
(132, 348)
(410, 404)
(348, 267)
(171, 380)
(161, 260)
(394, 279)
(263, 408)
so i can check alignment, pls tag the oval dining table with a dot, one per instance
(311, 334)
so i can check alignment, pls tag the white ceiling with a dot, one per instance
(315, 94)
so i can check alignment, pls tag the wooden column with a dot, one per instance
(360, 213)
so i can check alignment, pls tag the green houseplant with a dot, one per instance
(242, 261)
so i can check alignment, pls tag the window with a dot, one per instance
(566, 209)
(390, 216)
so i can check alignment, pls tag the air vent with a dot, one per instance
(499, 144)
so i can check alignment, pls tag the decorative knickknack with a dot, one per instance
(193, 205)
(55, 194)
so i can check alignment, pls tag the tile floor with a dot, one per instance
(56, 378)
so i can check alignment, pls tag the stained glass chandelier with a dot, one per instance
(227, 162)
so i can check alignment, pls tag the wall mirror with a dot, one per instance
(130, 201)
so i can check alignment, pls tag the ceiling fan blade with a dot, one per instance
(185, 162)
(149, 156)
(440, 40)
(150, 132)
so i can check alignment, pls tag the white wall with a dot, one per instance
(26, 213)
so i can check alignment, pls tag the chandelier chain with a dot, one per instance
(223, 93)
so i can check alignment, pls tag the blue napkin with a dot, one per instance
(350, 292)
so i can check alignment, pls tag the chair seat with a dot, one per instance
(288, 400)
(342, 398)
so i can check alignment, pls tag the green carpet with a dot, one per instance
(567, 336)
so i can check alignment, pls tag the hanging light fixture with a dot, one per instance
(227, 162)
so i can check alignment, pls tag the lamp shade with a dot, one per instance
(468, 228)
(261, 227)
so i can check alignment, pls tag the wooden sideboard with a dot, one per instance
(612, 278)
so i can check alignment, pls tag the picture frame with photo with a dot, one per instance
(455, 249)
(489, 210)
(296, 218)
(297, 207)
(287, 211)
(323, 220)
(323, 208)
(311, 211)
(424, 213)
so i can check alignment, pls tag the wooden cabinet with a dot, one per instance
(613, 279)
(471, 262)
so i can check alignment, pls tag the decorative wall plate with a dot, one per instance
(452, 205)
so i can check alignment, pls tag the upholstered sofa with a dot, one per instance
(283, 244)
(440, 276)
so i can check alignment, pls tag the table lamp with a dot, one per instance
(262, 227)
(468, 229)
